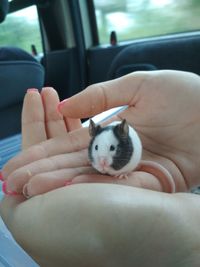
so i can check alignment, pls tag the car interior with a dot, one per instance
(71, 44)
(73, 56)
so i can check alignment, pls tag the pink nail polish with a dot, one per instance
(61, 104)
(32, 90)
(1, 177)
(46, 88)
(6, 192)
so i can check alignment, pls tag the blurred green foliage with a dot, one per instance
(145, 18)
(131, 19)
(21, 29)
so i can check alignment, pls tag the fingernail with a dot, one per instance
(61, 104)
(1, 177)
(25, 191)
(6, 192)
(46, 88)
(68, 183)
(32, 90)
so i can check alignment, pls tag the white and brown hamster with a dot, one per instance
(115, 149)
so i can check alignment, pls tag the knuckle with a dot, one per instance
(99, 95)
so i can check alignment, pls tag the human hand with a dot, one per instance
(62, 227)
(40, 118)
(164, 109)
(157, 103)
(41, 124)
(50, 157)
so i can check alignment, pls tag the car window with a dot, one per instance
(21, 29)
(144, 18)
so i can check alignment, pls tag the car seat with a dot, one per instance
(178, 53)
(19, 71)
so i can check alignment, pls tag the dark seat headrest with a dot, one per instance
(4, 7)
(10, 53)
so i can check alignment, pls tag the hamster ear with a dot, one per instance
(123, 129)
(93, 128)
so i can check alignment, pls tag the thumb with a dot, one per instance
(103, 96)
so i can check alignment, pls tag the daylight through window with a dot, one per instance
(145, 18)
(22, 29)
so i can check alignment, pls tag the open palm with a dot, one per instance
(57, 226)
(163, 108)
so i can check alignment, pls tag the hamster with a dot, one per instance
(115, 149)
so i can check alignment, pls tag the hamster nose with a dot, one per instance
(103, 161)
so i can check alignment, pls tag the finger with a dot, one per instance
(135, 179)
(72, 142)
(73, 124)
(33, 126)
(103, 96)
(54, 122)
(46, 182)
(21, 176)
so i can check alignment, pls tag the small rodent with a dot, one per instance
(115, 149)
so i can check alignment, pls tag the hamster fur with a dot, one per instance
(115, 149)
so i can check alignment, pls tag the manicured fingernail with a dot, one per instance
(46, 88)
(61, 104)
(32, 90)
(68, 183)
(25, 191)
(6, 192)
(1, 177)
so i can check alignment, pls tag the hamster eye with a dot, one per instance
(96, 147)
(112, 148)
